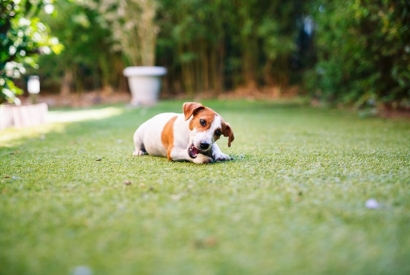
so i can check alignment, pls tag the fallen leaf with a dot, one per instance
(206, 242)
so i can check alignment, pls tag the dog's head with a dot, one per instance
(206, 127)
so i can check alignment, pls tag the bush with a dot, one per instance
(22, 37)
(363, 51)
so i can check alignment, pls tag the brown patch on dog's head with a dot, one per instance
(190, 108)
(203, 117)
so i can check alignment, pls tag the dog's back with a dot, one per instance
(150, 133)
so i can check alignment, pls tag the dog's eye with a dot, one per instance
(218, 133)
(202, 122)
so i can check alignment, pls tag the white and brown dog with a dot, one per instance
(189, 136)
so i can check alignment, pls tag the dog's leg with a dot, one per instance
(139, 145)
(217, 154)
(182, 154)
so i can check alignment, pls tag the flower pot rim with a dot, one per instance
(144, 71)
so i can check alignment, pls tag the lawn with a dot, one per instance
(296, 199)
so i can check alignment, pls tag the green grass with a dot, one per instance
(291, 202)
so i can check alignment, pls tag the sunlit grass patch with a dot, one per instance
(83, 115)
(56, 122)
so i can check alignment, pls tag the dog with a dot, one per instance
(189, 136)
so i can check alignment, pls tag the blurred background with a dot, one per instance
(353, 52)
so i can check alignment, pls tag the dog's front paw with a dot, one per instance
(202, 159)
(138, 153)
(221, 157)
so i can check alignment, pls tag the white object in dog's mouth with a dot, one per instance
(193, 151)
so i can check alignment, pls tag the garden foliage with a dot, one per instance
(363, 50)
(22, 38)
(207, 46)
(360, 52)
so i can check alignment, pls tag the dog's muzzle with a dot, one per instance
(204, 147)
(193, 151)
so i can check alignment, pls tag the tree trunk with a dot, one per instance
(66, 83)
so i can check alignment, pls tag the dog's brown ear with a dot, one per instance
(190, 108)
(227, 132)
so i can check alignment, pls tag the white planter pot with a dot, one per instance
(145, 84)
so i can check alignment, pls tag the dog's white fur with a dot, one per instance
(184, 136)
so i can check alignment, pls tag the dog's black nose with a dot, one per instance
(204, 145)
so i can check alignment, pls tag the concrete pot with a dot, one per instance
(145, 84)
